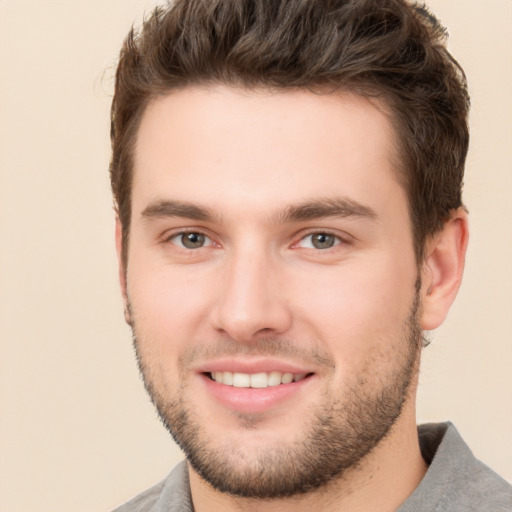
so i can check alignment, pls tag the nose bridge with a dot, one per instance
(250, 301)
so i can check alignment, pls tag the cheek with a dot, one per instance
(168, 306)
(357, 307)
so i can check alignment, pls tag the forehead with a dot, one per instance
(217, 143)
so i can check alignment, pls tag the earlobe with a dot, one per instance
(122, 268)
(443, 268)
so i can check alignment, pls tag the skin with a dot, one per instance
(236, 166)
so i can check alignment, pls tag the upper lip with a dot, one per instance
(251, 366)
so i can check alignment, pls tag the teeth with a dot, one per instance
(274, 379)
(256, 380)
(287, 378)
(241, 380)
(259, 380)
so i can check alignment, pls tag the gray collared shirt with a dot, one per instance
(455, 481)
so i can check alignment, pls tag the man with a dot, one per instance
(287, 178)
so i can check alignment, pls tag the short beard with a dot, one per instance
(339, 432)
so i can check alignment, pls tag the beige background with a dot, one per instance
(77, 432)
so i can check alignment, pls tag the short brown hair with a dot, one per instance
(386, 49)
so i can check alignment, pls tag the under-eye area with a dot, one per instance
(256, 380)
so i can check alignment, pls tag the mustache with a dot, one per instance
(262, 347)
(272, 347)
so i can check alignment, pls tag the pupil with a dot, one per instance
(323, 241)
(193, 240)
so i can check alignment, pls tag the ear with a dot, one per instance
(122, 269)
(443, 268)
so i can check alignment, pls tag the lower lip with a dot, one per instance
(254, 400)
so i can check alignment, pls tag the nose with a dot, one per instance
(251, 301)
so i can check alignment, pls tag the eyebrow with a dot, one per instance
(309, 210)
(173, 208)
(322, 208)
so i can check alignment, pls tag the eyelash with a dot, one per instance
(182, 234)
(338, 240)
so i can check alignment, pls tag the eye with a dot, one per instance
(319, 241)
(190, 240)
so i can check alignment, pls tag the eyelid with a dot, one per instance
(341, 238)
(171, 235)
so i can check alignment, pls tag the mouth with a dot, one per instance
(256, 380)
(249, 387)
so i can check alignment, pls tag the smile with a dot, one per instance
(256, 380)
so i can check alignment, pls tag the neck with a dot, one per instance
(381, 482)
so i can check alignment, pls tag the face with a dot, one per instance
(271, 283)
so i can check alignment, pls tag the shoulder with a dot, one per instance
(169, 495)
(475, 486)
(143, 501)
(456, 480)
